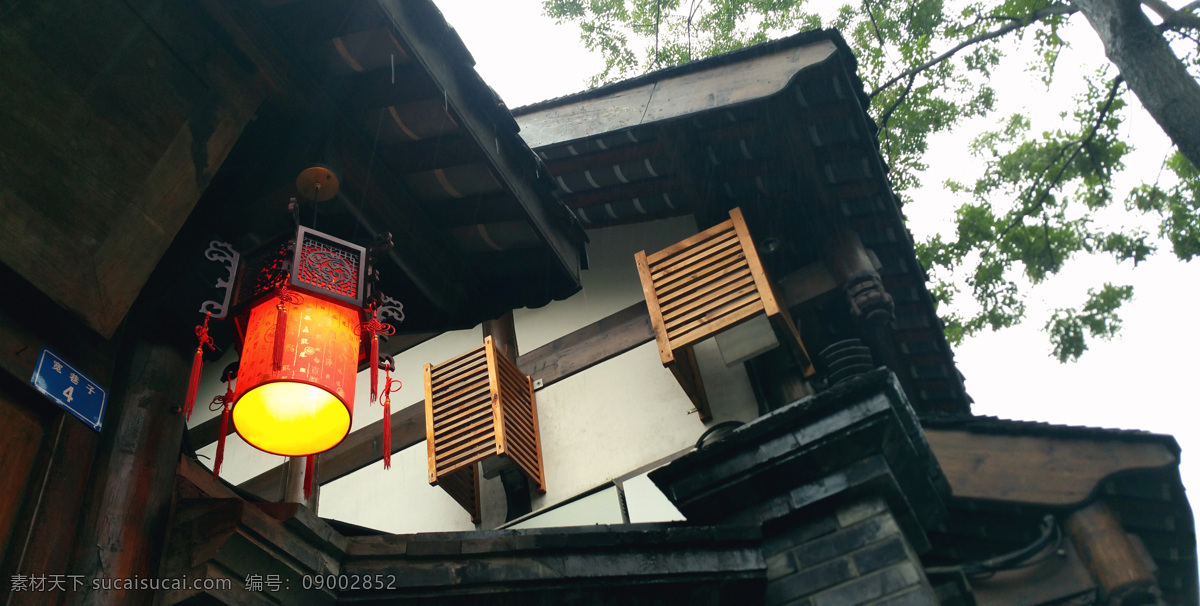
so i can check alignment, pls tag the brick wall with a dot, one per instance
(855, 555)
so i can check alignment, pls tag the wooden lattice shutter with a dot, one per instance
(704, 285)
(478, 405)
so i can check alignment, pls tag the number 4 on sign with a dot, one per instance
(69, 393)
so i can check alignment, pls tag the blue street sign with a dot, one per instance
(69, 388)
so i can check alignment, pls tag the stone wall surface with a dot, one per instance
(853, 555)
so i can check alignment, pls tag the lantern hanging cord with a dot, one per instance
(286, 295)
(204, 340)
(390, 386)
(374, 326)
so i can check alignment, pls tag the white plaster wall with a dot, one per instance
(603, 507)
(624, 414)
(647, 503)
(610, 285)
(397, 500)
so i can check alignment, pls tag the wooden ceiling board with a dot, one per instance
(111, 144)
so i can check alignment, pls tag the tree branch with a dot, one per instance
(874, 25)
(1038, 15)
(883, 120)
(1182, 18)
(1079, 146)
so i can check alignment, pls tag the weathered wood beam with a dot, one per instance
(611, 157)
(476, 210)
(319, 20)
(412, 22)
(399, 85)
(688, 170)
(562, 358)
(431, 154)
(649, 187)
(1035, 469)
(595, 343)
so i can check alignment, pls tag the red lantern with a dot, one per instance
(297, 310)
(304, 405)
(302, 332)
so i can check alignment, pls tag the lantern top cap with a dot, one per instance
(317, 182)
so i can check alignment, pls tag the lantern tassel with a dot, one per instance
(226, 402)
(220, 457)
(387, 432)
(203, 340)
(309, 471)
(281, 316)
(388, 390)
(193, 383)
(374, 362)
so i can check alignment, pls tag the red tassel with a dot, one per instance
(203, 340)
(309, 472)
(374, 362)
(193, 383)
(281, 315)
(221, 443)
(226, 402)
(387, 432)
(387, 417)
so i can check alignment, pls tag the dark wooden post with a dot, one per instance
(870, 305)
(503, 332)
(130, 495)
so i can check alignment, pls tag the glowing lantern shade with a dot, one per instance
(304, 406)
(298, 316)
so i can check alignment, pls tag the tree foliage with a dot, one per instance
(928, 65)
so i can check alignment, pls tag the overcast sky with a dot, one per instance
(1140, 380)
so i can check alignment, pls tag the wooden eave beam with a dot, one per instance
(424, 47)
(405, 83)
(648, 187)
(476, 210)
(320, 20)
(1037, 470)
(432, 154)
(687, 168)
(606, 158)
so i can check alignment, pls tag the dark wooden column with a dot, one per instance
(129, 499)
(870, 305)
(503, 332)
